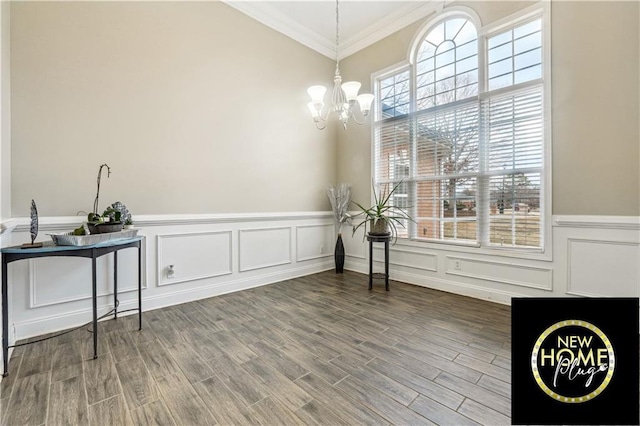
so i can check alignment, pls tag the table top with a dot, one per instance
(49, 247)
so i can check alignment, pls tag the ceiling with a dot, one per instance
(313, 22)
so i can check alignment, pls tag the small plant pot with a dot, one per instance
(379, 227)
(128, 227)
(105, 228)
(92, 228)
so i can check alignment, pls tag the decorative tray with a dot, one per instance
(68, 239)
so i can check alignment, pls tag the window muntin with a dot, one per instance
(474, 159)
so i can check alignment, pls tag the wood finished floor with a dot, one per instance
(321, 349)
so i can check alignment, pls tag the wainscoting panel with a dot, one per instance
(264, 248)
(593, 265)
(194, 256)
(597, 255)
(53, 281)
(128, 268)
(61, 280)
(502, 272)
(425, 261)
(72, 282)
(354, 246)
(307, 238)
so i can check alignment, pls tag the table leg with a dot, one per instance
(5, 320)
(386, 265)
(370, 264)
(139, 286)
(115, 284)
(95, 307)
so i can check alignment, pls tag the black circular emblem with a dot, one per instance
(573, 361)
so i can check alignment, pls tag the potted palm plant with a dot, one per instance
(383, 218)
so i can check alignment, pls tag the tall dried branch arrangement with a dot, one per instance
(340, 198)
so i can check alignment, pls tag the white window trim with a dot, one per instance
(543, 9)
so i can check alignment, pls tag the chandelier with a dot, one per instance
(344, 96)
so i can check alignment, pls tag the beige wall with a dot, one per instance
(5, 113)
(196, 107)
(595, 110)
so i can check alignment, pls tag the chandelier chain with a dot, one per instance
(337, 33)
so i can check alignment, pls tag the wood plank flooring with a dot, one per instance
(320, 349)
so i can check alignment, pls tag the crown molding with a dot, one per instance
(266, 14)
(272, 18)
(390, 24)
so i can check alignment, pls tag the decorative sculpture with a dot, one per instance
(33, 227)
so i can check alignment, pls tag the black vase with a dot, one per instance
(339, 255)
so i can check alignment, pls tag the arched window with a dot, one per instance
(447, 64)
(462, 125)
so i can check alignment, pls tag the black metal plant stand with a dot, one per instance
(379, 239)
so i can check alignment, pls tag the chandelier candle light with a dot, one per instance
(344, 97)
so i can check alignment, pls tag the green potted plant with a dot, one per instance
(110, 221)
(128, 223)
(383, 218)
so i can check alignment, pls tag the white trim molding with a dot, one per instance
(7, 226)
(274, 18)
(630, 223)
(55, 223)
(401, 18)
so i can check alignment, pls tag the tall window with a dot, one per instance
(462, 127)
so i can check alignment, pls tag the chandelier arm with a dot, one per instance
(355, 118)
(323, 115)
